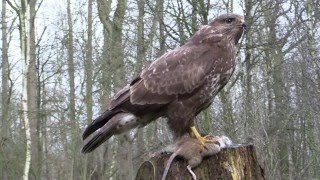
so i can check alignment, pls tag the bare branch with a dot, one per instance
(45, 28)
(14, 7)
(37, 9)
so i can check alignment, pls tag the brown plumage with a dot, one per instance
(178, 85)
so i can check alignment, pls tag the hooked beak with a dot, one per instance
(243, 24)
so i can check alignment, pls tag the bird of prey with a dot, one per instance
(178, 85)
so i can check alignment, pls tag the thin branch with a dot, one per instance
(14, 7)
(37, 44)
(37, 9)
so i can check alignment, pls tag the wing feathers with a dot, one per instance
(179, 71)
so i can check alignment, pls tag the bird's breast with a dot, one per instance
(214, 82)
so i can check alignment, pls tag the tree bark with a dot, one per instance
(5, 70)
(141, 58)
(104, 9)
(4, 136)
(230, 163)
(113, 75)
(249, 114)
(25, 106)
(72, 108)
(32, 86)
(89, 83)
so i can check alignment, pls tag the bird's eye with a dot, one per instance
(229, 20)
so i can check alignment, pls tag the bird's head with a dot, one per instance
(230, 24)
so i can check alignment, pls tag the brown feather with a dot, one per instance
(178, 85)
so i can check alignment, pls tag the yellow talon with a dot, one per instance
(202, 140)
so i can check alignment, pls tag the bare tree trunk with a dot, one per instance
(4, 136)
(89, 83)
(27, 127)
(33, 95)
(249, 118)
(116, 53)
(72, 109)
(162, 38)
(24, 45)
(104, 8)
(227, 113)
(113, 56)
(116, 62)
(5, 71)
(141, 48)
(26, 13)
(141, 58)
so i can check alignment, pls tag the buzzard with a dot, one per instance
(178, 85)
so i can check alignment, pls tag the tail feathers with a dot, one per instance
(99, 137)
(118, 123)
(97, 123)
(95, 142)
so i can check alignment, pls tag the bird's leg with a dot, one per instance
(202, 140)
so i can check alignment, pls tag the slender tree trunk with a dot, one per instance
(89, 83)
(25, 106)
(249, 117)
(141, 48)
(4, 136)
(72, 111)
(227, 113)
(116, 53)
(45, 137)
(27, 127)
(118, 76)
(32, 86)
(113, 62)
(104, 8)
(4, 71)
(141, 57)
(162, 37)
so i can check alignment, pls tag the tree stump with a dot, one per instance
(230, 163)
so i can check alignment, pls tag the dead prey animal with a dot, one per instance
(190, 149)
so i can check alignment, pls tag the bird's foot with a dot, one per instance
(202, 140)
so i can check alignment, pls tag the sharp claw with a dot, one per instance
(202, 140)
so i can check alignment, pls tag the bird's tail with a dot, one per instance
(106, 125)
(98, 123)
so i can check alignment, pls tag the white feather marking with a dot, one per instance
(229, 71)
(129, 118)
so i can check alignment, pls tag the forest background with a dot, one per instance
(62, 60)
